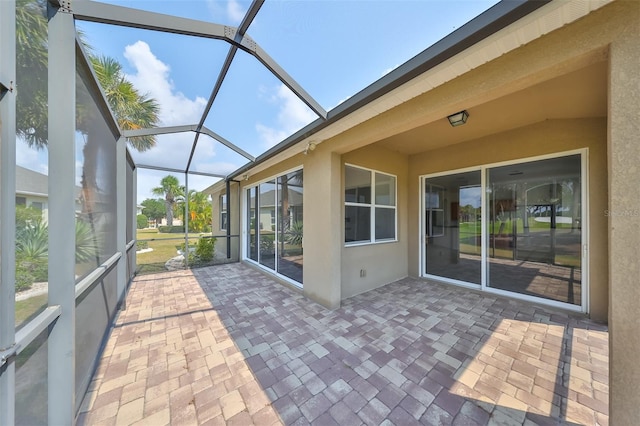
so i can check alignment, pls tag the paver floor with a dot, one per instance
(228, 345)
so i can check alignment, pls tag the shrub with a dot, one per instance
(142, 221)
(267, 244)
(141, 245)
(294, 235)
(87, 243)
(171, 229)
(24, 277)
(204, 249)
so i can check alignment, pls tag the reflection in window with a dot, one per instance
(452, 205)
(367, 222)
(535, 228)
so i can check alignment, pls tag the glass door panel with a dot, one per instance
(534, 228)
(267, 223)
(252, 223)
(290, 225)
(452, 221)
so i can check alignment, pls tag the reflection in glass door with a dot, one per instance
(452, 226)
(535, 229)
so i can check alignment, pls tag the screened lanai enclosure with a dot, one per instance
(70, 110)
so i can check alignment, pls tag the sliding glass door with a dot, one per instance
(535, 229)
(274, 225)
(531, 242)
(452, 223)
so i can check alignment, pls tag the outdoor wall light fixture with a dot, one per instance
(310, 147)
(459, 118)
(245, 176)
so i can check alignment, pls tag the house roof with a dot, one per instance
(487, 23)
(481, 40)
(30, 182)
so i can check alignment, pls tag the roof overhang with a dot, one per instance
(500, 30)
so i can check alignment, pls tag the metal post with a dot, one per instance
(7, 206)
(62, 99)
(121, 216)
(186, 220)
(134, 216)
(228, 183)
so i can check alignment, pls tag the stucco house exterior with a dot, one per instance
(534, 197)
(31, 190)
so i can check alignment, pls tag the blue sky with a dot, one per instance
(333, 49)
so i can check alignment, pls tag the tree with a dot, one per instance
(131, 109)
(172, 191)
(153, 208)
(200, 211)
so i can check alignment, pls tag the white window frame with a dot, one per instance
(245, 222)
(223, 211)
(484, 286)
(372, 208)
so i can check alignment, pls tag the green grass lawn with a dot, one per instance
(29, 308)
(164, 248)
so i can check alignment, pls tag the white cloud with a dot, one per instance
(293, 114)
(31, 158)
(235, 11)
(152, 76)
(232, 10)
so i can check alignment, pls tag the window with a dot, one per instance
(370, 206)
(36, 205)
(21, 201)
(223, 212)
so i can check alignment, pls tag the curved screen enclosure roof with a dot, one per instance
(239, 82)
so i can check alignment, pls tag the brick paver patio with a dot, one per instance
(227, 345)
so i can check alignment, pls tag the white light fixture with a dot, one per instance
(245, 176)
(459, 118)
(310, 147)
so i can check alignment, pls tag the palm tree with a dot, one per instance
(31, 72)
(172, 191)
(131, 109)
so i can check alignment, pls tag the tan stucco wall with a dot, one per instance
(221, 242)
(624, 221)
(322, 227)
(544, 138)
(368, 256)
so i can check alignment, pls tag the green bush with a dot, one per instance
(204, 249)
(171, 229)
(141, 245)
(267, 244)
(24, 277)
(27, 215)
(142, 221)
(294, 235)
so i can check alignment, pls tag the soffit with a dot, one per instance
(579, 94)
(548, 18)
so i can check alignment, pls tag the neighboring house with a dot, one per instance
(533, 195)
(32, 191)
